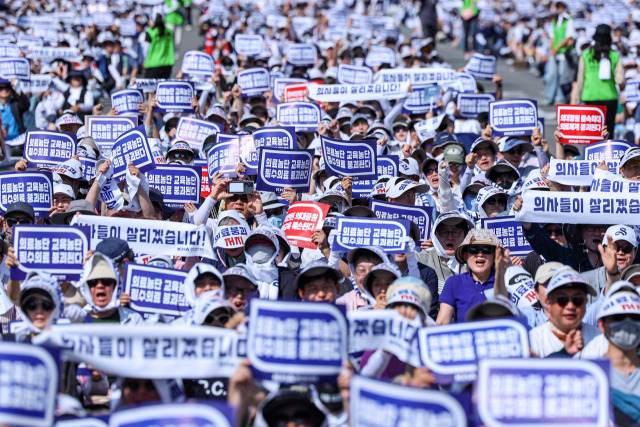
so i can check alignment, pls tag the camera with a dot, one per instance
(240, 187)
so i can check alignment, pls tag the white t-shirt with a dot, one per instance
(596, 349)
(544, 342)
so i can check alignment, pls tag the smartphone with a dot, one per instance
(240, 187)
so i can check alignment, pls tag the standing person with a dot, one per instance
(562, 36)
(599, 71)
(160, 58)
(469, 15)
(174, 19)
(429, 18)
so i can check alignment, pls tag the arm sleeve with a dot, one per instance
(376, 364)
(465, 180)
(447, 294)
(543, 159)
(202, 213)
(619, 73)
(580, 79)
(545, 246)
(446, 203)
(395, 111)
(430, 277)
(87, 104)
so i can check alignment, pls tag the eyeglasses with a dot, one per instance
(446, 233)
(181, 155)
(494, 201)
(135, 385)
(624, 248)
(233, 291)
(476, 249)
(430, 171)
(211, 319)
(591, 228)
(33, 304)
(400, 128)
(563, 300)
(13, 221)
(454, 165)
(106, 282)
(237, 197)
(514, 151)
(621, 317)
(552, 231)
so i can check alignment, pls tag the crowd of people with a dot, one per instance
(574, 289)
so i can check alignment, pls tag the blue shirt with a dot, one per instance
(462, 292)
(9, 122)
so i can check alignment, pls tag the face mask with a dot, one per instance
(625, 334)
(358, 61)
(261, 253)
(470, 202)
(277, 220)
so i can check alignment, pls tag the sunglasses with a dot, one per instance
(475, 249)
(181, 155)
(518, 151)
(33, 304)
(493, 201)
(106, 282)
(454, 165)
(135, 385)
(237, 197)
(624, 248)
(563, 300)
(401, 128)
(13, 221)
(430, 171)
(233, 291)
(222, 319)
(621, 317)
(556, 231)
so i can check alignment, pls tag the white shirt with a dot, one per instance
(544, 342)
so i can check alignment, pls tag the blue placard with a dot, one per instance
(155, 290)
(248, 45)
(421, 101)
(419, 215)
(36, 83)
(513, 117)
(541, 126)
(276, 137)
(105, 130)
(55, 249)
(249, 155)
(388, 234)
(278, 84)
(304, 116)
(127, 28)
(8, 38)
(403, 406)
(194, 131)
(386, 165)
(29, 385)
(581, 386)
(354, 74)
(192, 414)
(89, 169)
(632, 90)
(301, 54)
(126, 101)
(472, 104)
(224, 156)
(25, 41)
(482, 67)
(9, 51)
(19, 68)
(254, 81)
(133, 147)
(174, 97)
(297, 342)
(509, 232)
(45, 148)
(50, 53)
(34, 188)
(280, 168)
(197, 64)
(380, 55)
(350, 158)
(178, 184)
(611, 149)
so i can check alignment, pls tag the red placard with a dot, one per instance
(205, 190)
(581, 124)
(303, 219)
(295, 92)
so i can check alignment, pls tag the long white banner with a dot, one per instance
(577, 172)
(361, 92)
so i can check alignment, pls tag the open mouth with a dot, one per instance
(449, 246)
(238, 305)
(480, 262)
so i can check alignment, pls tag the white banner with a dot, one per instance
(577, 172)
(354, 74)
(605, 182)
(418, 77)
(36, 83)
(363, 92)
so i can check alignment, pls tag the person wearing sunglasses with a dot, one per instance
(17, 213)
(505, 175)
(491, 202)
(180, 153)
(517, 152)
(565, 332)
(39, 304)
(239, 286)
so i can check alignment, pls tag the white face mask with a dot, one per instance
(261, 253)
(625, 334)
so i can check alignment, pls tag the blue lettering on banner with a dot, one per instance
(279, 83)
(578, 172)
(418, 77)
(386, 165)
(197, 64)
(200, 414)
(56, 249)
(126, 101)
(178, 184)
(465, 83)
(34, 188)
(174, 97)
(254, 81)
(354, 74)
(353, 232)
(156, 290)
(19, 68)
(88, 167)
(230, 236)
(105, 130)
(276, 137)
(301, 54)
(44, 148)
(249, 155)
(481, 67)
(151, 85)
(36, 83)
(632, 90)
(380, 55)
(280, 168)
(419, 215)
(248, 45)
(25, 41)
(50, 53)
(224, 156)
(513, 117)
(297, 341)
(194, 131)
(472, 104)
(423, 100)
(510, 233)
(9, 51)
(304, 116)
(131, 147)
(611, 149)
(350, 158)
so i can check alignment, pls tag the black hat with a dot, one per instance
(273, 411)
(20, 207)
(157, 197)
(114, 248)
(602, 34)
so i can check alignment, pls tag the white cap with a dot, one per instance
(409, 166)
(397, 187)
(63, 189)
(621, 232)
(567, 276)
(621, 299)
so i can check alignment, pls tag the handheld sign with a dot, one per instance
(276, 137)
(472, 104)
(105, 130)
(465, 83)
(248, 45)
(177, 414)
(249, 155)
(521, 286)
(204, 177)
(9, 51)
(513, 117)
(88, 167)
(155, 290)
(481, 67)
(419, 215)
(49, 53)
(29, 384)
(37, 83)
(304, 116)
(423, 100)
(295, 92)
(585, 400)
(178, 184)
(131, 147)
(18, 68)
(280, 168)
(426, 129)
(151, 85)
(632, 90)
(578, 172)
(358, 92)
(194, 131)
(380, 55)
(510, 234)
(390, 235)
(403, 406)
(280, 83)
(349, 158)
(302, 220)
(174, 97)
(301, 54)
(126, 101)
(224, 156)
(418, 77)
(581, 124)
(253, 81)
(197, 64)
(385, 165)
(295, 342)
(611, 149)
(34, 188)
(45, 148)
(354, 74)
(230, 236)
(56, 249)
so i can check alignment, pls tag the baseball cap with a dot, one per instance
(506, 143)
(240, 270)
(114, 248)
(20, 207)
(270, 201)
(499, 306)
(83, 206)
(631, 153)
(396, 187)
(316, 268)
(366, 250)
(629, 272)
(71, 168)
(482, 143)
(388, 267)
(545, 272)
(500, 167)
(101, 270)
(621, 299)
(454, 154)
(621, 232)
(357, 117)
(63, 189)
(443, 138)
(409, 166)
(409, 290)
(568, 277)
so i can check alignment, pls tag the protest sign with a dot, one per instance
(513, 117)
(224, 156)
(55, 249)
(465, 83)
(295, 342)
(385, 165)
(27, 41)
(178, 184)
(453, 350)
(558, 392)
(131, 147)
(280, 83)
(126, 101)
(521, 286)
(610, 149)
(419, 215)
(155, 290)
(581, 124)
(280, 168)
(358, 92)
(8, 38)
(418, 77)
(423, 100)
(230, 236)
(426, 129)
(146, 236)
(45, 148)
(34, 188)
(248, 154)
(192, 414)
(472, 104)
(577, 172)
(19, 68)
(103, 19)
(150, 351)
(304, 116)
(510, 234)
(49, 53)
(482, 67)
(248, 45)
(197, 64)
(379, 55)
(354, 74)
(605, 182)
(384, 404)
(204, 177)
(253, 81)
(37, 83)
(194, 131)
(349, 158)
(295, 92)
(301, 54)
(151, 85)
(9, 51)
(127, 27)
(105, 130)
(174, 97)
(29, 385)
(276, 137)
(388, 234)
(302, 220)
(82, 422)
(88, 167)
(632, 90)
